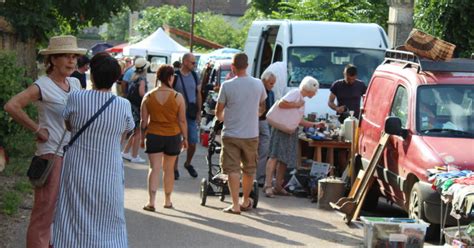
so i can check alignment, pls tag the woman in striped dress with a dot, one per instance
(90, 210)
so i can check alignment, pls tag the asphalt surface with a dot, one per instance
(276, 222)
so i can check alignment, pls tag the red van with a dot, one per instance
(434, 102)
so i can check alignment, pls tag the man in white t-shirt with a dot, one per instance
(238, 107)
(280, 71)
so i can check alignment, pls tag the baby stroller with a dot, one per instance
(216, 182)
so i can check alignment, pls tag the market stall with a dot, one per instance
(456, 188)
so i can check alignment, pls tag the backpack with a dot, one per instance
(133, 92)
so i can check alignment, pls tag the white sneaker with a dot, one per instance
(138, 159)
(127, 156)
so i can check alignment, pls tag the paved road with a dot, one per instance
(278, 222)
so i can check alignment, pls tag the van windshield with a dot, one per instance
(445, 110)
(326, 64)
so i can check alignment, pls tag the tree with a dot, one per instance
(216, 28)
(265, 6)
(375, 11)
(153, 17)
(447, 20)
(39, 19)
(207, 25)
(117, 27)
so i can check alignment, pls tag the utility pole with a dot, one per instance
(192, 27)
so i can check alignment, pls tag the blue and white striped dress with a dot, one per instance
(90, 209)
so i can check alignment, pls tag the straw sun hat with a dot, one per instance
(141, 64)
(62, 44)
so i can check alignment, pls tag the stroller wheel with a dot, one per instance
(222, 198)
(254, 194)
(203, 191)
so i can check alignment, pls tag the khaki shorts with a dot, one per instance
(239, 154)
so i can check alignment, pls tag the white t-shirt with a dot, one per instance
(294, 95)
(50, 109)
(241, 97)
(280, 70)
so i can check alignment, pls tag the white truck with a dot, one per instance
(315, 48)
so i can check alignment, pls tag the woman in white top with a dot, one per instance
(49, 93)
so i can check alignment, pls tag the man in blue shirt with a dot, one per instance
(187, 83)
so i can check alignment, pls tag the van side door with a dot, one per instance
(395, 153)
(376, 108)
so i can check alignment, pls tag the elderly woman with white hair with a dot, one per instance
(283, 145)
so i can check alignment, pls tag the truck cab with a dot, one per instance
(314, 48)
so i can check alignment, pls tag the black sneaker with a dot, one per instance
(176, 174)
(191, 171)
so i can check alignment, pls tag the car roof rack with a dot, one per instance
(409, 59)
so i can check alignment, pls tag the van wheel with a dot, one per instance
(416, 211)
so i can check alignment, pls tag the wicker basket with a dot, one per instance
(427, 46)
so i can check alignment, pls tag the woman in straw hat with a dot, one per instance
(49, 93)
(90, 210)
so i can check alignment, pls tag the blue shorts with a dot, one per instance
(192, 131)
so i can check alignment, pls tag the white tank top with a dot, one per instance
(50, 113)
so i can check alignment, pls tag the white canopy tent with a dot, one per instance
(157, 43)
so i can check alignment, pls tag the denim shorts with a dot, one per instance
(192, 131)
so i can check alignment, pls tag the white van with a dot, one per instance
(315, 48)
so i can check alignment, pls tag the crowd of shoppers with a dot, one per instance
(88, 179)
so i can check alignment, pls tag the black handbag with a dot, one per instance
(40, 168)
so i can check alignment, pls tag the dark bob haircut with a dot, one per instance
(164, 73)
(105, 70)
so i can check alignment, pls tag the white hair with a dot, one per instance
(267, 74)
(310, 84)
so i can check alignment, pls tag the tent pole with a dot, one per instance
(192, 27)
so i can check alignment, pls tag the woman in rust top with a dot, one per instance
(163, 123)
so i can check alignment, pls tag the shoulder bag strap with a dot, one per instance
(89, 122)
(184, 88)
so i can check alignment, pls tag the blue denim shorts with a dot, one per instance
(192, 131)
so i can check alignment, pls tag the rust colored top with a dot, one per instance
(163, 118)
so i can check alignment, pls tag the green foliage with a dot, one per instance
(207, 25)
(265, 6)
(23, 186)
(217, 29)
(10, 202)
(12, 83)
(325, 10)
(117, 27)
(152, 18)
(38, 19)
(18, 164)
(447, 20)
(375, 11)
